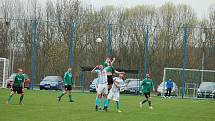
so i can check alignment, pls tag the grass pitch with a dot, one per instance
(43, 106)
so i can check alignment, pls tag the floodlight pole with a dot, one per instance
(146, 52)
(203, 57)
(185, 61)
(33, 53)
(72, 34)
(109, 39)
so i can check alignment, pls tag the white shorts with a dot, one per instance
(102, 89)
(113, 95)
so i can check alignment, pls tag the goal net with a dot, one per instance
(4, 69)
(187, 80)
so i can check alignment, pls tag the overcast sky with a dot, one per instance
(201, 7)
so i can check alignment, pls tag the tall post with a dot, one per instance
(72, 33)
(33, 53)
(146, 52)
(109, 39)
(203, 57)
(185, 60)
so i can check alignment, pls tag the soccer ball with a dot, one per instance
(98, 40)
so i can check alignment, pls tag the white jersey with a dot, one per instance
(102, 77)
(117, 84)
(115, 90)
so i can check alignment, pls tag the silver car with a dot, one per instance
(133, 86)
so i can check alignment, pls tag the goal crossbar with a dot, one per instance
(181, 69)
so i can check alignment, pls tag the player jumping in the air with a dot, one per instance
(101, 86)
(68, 82)
(115, 91)
(146, 85)
(18, 86)
(110, 71)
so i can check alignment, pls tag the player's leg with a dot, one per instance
(10, 96)
(146, 96)
(105, 92)
(21, 92)
(116, 99)
(62, 94)
(170, 90)
(98, 97)
(109, 97)
(150, 101)
(70, 92)
(167, 92)
(110, 82)
(70, 97)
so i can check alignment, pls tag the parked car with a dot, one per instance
(132, 86)
(93, 85)
(11, 79)
(206, 90)
(52, 83)
(162, 89)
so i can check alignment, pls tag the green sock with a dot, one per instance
(144, 101)
(61, 95)
(70, 97)
(9, 98)
(21, 98)
(150, 103)
(117, 105)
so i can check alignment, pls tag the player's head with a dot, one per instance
(20, 71)
(69, 69)
(101, 67)
(108, 60)
(121, 76)
(147, 76)
(109, 63)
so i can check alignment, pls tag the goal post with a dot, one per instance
(191, 78)
(4, 71)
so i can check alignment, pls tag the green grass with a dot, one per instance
(42, 106)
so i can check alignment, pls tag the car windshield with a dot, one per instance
(207, 86)
(12, 76)
(133, 83)
(52, 78)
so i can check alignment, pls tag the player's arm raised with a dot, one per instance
(93, 71)
(114, 59)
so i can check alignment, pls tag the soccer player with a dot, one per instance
(110, 71)
(17, 86)
(115, 91)
(169, 86)
(146, 85)
(68, 82)
(101, 86)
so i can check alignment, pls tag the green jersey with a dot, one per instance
(110, 69)
(105, 64)
(19, 79)
(146, 85)
(68, 78)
